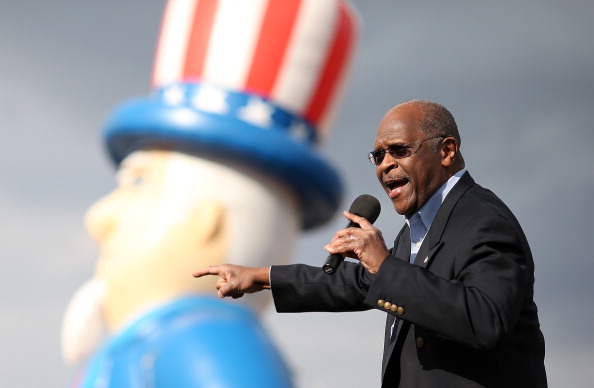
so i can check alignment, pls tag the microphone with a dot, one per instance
(366, 206)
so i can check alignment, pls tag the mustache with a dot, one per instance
(83, 325)
(389, 177)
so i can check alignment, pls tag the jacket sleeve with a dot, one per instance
(303, 288)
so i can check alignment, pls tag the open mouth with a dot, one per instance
(394, 185)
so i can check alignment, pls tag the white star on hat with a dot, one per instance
(174, 95)
(211, 99)
(256, 112)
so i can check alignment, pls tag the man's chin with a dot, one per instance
(83, 325)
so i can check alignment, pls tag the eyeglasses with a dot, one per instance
(398, 151)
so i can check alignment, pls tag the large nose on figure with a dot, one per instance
(100, 218)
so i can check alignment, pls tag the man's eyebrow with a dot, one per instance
(395, 143)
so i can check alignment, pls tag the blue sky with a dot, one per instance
(518, 77)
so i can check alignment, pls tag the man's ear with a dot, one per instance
(209, 219)
(449, 151)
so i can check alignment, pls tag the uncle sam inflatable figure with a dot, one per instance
(218, 164)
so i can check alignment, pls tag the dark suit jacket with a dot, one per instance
(463, 315)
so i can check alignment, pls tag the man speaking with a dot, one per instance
(458, 284)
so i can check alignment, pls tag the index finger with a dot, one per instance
(361, 221)
(210, 270)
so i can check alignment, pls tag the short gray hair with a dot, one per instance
(437, 120)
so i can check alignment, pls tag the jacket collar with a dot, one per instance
(433, 238)
(444, 212)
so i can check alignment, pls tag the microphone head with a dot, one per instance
(366, 206)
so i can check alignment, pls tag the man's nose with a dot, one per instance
(388, 162)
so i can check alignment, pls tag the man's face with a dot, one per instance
(410, 181)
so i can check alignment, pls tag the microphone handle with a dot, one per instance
(333, 261)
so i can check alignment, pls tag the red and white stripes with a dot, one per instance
(294, 52)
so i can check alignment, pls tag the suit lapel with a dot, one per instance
(433, 238)
(402, 244)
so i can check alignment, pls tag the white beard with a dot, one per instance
(83, 325)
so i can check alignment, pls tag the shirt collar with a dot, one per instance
(429, 209)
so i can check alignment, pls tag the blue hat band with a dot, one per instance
(249, 108)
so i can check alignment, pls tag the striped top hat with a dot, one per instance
(255, 81)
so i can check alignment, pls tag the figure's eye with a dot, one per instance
(137, 181)
(130, 178)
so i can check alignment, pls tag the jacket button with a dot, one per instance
(419, 341)
(387, 305)
(381, 302)
(400, 310)
(394, 308)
